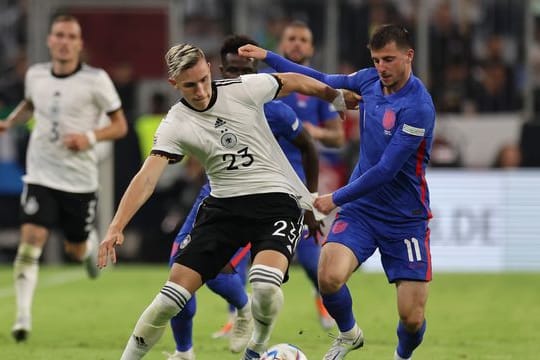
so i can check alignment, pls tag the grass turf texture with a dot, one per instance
(470, 316)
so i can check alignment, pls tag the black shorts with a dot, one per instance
(74, 213)
(271, 221)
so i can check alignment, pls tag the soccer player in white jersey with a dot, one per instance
(67, 99)
(256, 195)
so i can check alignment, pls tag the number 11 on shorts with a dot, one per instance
(411, 245)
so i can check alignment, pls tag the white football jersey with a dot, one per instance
(64, 105)
(233, 141)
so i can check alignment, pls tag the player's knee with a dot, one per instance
(165, 308)
(330, 282)
(75, 251)
(412, 321)
(267, 297)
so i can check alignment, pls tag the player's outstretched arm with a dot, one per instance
(293, 82)
(139, 190)
(20, 114)
(281, 64)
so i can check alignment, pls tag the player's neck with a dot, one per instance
(63, 68)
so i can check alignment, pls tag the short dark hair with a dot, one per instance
(386, 34)
(232, 43)
(63, 18)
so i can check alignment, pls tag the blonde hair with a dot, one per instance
(181, 57)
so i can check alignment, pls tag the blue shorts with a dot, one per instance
(404, 248)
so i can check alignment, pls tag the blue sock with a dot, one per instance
(229, 287)
(339, 306)
(307, 253)
(242, 269)
(182, 326)
(407, 341)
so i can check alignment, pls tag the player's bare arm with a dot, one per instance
(115, 130)
(293, 82)
(331, 134)
(139, 190)
(22, 113)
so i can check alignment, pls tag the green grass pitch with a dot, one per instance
(470, 316)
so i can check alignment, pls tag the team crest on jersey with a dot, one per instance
(389, 120)
(229, 140)
(185, 242)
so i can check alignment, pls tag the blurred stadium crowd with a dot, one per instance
(479, 63)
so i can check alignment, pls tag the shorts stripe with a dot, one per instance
(428, 255)
(240, 256)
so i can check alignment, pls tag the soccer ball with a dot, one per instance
(283, 352)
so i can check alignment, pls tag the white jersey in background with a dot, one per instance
(233, 141)
(63, 105)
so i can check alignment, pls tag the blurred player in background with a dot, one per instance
(231, 286)
(67, 99)
(386, 203)
(324, 124)
(256, 196)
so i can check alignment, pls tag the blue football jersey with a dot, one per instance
(286, 127)
(396, 130)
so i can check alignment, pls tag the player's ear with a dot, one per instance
(173, 82)
(410, 56)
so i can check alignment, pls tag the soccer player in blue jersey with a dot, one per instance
(231, 284)
(385, 205)
(324, 124)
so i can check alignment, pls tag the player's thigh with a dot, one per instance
(273, 228)
(39, 210)
(77, 215)
(212, 242)
(353, 233)
(405, 251)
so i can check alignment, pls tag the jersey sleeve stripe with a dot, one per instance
(280, 85)
(173, 158)
(113, 111)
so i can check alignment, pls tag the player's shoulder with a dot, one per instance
(43, 68)
(423, 97)
(180, 111)
(92, 71)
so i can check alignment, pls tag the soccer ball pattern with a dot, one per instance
(283, 352)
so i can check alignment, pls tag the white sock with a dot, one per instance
(153, 321)
(266, 302)
(352, 333)
(246, 309)
(25, 276)
(92, 244)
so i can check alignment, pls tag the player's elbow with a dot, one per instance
(122, 132)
